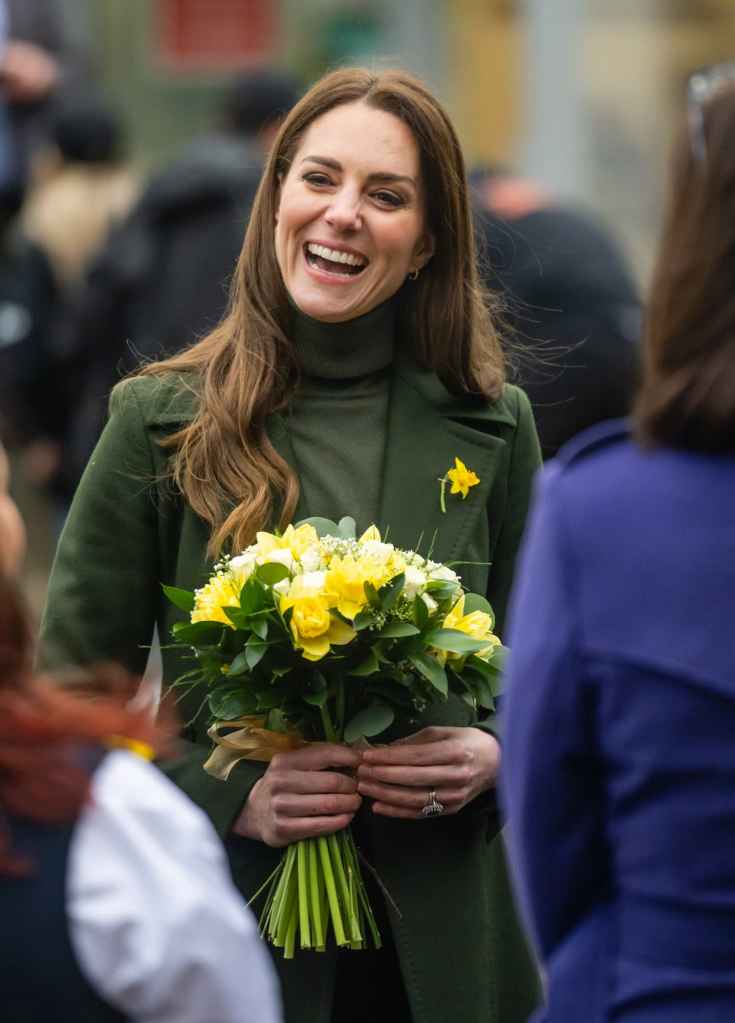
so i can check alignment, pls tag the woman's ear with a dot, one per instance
(424, 250)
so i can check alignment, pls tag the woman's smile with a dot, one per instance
(351, 222)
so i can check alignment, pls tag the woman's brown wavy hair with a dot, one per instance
(246, 368)
(687, 396)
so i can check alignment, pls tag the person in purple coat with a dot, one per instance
(619, 744)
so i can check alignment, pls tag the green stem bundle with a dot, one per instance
(318, 883)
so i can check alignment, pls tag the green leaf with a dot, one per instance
(431, 670)
(254, 652)
(442, 589)
(198, 633)
(239, 665)
(259, 627)
(364, 619)
(420, 613)
(252, 596)
(499, 657)
(316, 699)
(367, 667)
(396, 630)
(271, 573)
(389, 593)
(276, 721)
(476, 602)
(454, 641)
(183, 599)
(373, 596)
(238, 617)
(370, 721)
(227, 704)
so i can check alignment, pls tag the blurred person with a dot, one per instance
(85, 187)
(357, 359)
(619, 770)
(571, 304)
(161, 281)
(46, 51)
(115, 900)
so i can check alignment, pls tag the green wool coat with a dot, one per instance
(462, 953)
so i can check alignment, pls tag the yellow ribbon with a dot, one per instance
(249, 741)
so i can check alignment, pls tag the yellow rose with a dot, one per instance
(221, 591)
(477, 624)
(313, 628)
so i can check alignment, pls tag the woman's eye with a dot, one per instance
(388, 198)
(317, 178)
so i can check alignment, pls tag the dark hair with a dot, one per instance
(687, 397)
(258, 99)
(43, 727)
(224, 463)
(86, 130)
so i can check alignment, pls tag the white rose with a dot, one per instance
(430, 602)
(415, 582)
(282, 556)
(311, 560)
(243, 564)
(313, 582)
(443, 573)
(377, 550)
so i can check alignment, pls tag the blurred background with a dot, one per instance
(575, 98)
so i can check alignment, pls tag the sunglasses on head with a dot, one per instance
(702, 86)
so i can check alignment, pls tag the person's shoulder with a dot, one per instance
(591, 466)
(159, 400)
(594, 443)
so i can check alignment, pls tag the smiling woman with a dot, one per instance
(356, 363)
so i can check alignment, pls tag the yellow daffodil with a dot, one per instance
(371, 533)
(346, 578)
(477, 624)
(221, 591)
(462, 478)
(296, 541)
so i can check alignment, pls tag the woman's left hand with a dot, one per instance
(453, 764)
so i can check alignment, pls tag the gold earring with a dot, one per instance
(415, 273)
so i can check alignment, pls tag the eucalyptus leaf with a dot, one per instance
(368, 722)
(347, 528)
(183, 599)
(323, 527)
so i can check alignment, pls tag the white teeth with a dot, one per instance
(334, 255)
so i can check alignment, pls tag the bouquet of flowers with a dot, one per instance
(317, 635)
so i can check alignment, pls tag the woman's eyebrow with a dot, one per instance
(386, 176)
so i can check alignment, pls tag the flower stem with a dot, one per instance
(315, 895)
(339, 932)
(305, 929)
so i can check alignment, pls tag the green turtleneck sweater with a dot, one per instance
(337, 420)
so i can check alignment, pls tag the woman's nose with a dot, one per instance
(345, 212)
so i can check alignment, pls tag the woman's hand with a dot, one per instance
(456, 764)
(298, 797)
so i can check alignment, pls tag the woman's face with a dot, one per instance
(12, 532)
(351, 220)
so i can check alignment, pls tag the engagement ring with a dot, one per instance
(433, 807)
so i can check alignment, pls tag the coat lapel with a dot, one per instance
(427, 428)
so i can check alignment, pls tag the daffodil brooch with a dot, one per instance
(461, 479)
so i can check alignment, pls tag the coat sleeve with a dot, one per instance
(103, 591)
(551, 786)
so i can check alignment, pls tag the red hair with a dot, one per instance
(43, 727)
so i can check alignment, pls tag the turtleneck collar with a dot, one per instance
(342, 351)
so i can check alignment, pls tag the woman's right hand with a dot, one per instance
(299, 797)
